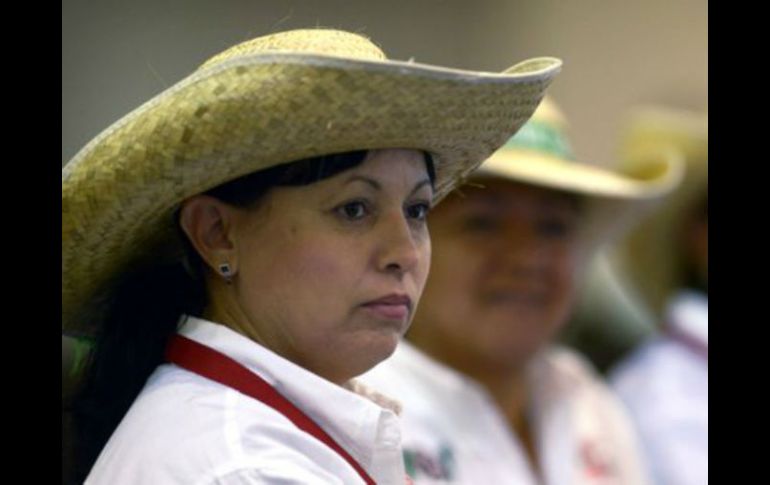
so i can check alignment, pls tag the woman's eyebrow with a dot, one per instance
(421, 184)
(378, 186)
(564, 202)
(360, 178)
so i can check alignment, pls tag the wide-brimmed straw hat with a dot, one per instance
(540, 154)
(649, 256)
(268, 101)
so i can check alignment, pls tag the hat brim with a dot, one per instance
(612, 200)
(253, 112)
(656, 177)
(648, 255)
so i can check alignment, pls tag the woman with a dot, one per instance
(487, 396)
(664, 381)
(261, 226)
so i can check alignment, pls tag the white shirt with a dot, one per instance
(664, 383)
(186, 429)
(453, 432)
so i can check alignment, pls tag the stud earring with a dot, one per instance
(226, 272)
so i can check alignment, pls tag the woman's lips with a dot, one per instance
(391, 307)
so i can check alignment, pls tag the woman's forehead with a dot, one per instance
(393, 171)
(388, 167)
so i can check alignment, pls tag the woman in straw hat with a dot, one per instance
(487, 398)
(665, 381)
(260, 227)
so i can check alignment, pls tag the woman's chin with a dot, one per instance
(377, 349)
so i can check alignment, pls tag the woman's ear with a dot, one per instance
(208, 223)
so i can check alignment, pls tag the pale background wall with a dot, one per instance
(116, 54)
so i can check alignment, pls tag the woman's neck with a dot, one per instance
(512, 395)
(224, 310)
(508, 387)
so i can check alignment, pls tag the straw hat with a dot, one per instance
(649, 255)
(271, 100)
(540, 154)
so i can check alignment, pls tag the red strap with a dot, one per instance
(209, 363)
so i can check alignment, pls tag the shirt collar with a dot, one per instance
(435, 374)
(553, 370)
(354, 421)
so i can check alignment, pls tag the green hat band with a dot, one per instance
(542, 137)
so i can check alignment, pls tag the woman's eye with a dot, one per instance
(555, 228)
(418, 212)
(353, 210)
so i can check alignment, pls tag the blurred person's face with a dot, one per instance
(501, 281)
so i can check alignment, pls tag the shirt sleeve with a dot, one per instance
(670, 411)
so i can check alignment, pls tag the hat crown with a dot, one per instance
(304, 41)
(545, 133)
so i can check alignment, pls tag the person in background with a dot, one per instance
(664, 382)
(487, 396)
